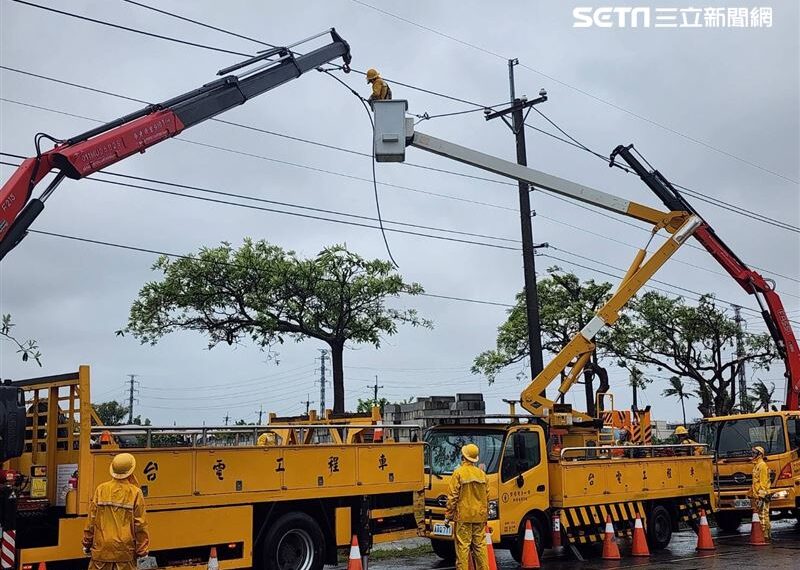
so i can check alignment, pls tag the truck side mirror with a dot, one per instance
(520, 481)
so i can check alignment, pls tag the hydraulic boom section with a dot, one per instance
(100, 147)
(754, 283)
(393, 132)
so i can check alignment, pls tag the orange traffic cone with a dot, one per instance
(490, 550)
(355, 555)
(42, 566)
(704, 540)
(530, 555)
(639, 540)
(213, 562)
(757, 531)
(610, 548)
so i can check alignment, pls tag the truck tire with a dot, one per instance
(444, 549)
(538, 533)
(659, 528)
(728, 521)
(293, 542)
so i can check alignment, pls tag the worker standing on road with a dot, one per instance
(760, 492)
(380, 89)
(116, 532)
(683, 439)
(467, 506)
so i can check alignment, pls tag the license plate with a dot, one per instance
(741, 503)
(442, 530)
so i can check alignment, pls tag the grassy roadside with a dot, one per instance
(393, 553)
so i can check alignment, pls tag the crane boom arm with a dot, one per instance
(112, 142)
(393, 132)
(772, 310)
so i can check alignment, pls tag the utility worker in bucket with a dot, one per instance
(760, 491)
(116, 532)
(467, 506)
(380, 89)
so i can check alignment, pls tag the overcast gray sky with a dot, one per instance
(736, 90)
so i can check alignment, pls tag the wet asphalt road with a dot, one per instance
(732, 552)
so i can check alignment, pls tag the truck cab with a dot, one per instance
(514, 457)
(731, 439)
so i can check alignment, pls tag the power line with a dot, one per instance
(579, 145)
(133, 30)
(330, 172)
(181, 256)
(581, 91)
(677, 287)
(197, 22)
(572, 142)
(695, 193)
(295, 214)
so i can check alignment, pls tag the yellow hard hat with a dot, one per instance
(372, 73)
(122, 466)
(470, 452)
(680, 430)
(758, 450)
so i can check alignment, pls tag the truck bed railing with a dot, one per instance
(235, 436)
(590, 453)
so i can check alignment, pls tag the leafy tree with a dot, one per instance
(111, 413)
(693, 343)
(29, 349)
(762, 395)
(566, 305)
(677, 390)
(365, 406)
(266, 294)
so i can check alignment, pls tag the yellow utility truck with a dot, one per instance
(557, 464)
(289, 504)
(732, 438)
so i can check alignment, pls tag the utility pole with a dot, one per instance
(517, 126)
(130, 397)
(260, 413)
(307, 403)
(737, 317)
(227, 418)
(375, 389)
(323, 353)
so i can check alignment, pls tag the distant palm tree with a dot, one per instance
(762, 394)
(678, 390)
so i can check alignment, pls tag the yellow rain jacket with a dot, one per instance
(380, 90)
(469, 495)
(117, 528)
(267, 438)
(760, 488)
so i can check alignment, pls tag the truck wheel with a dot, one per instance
(728, 521)
(538, 533)
(659, 528)
(293, 542)
(444, 549)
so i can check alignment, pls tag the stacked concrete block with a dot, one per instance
(433, 410)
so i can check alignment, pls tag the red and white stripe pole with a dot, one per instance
(8, 549)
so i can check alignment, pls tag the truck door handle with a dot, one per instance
(540, 489)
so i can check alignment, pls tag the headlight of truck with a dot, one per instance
(494, 510)
(779, 495)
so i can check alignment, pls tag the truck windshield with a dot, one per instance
(736, 438)
(445, 449)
